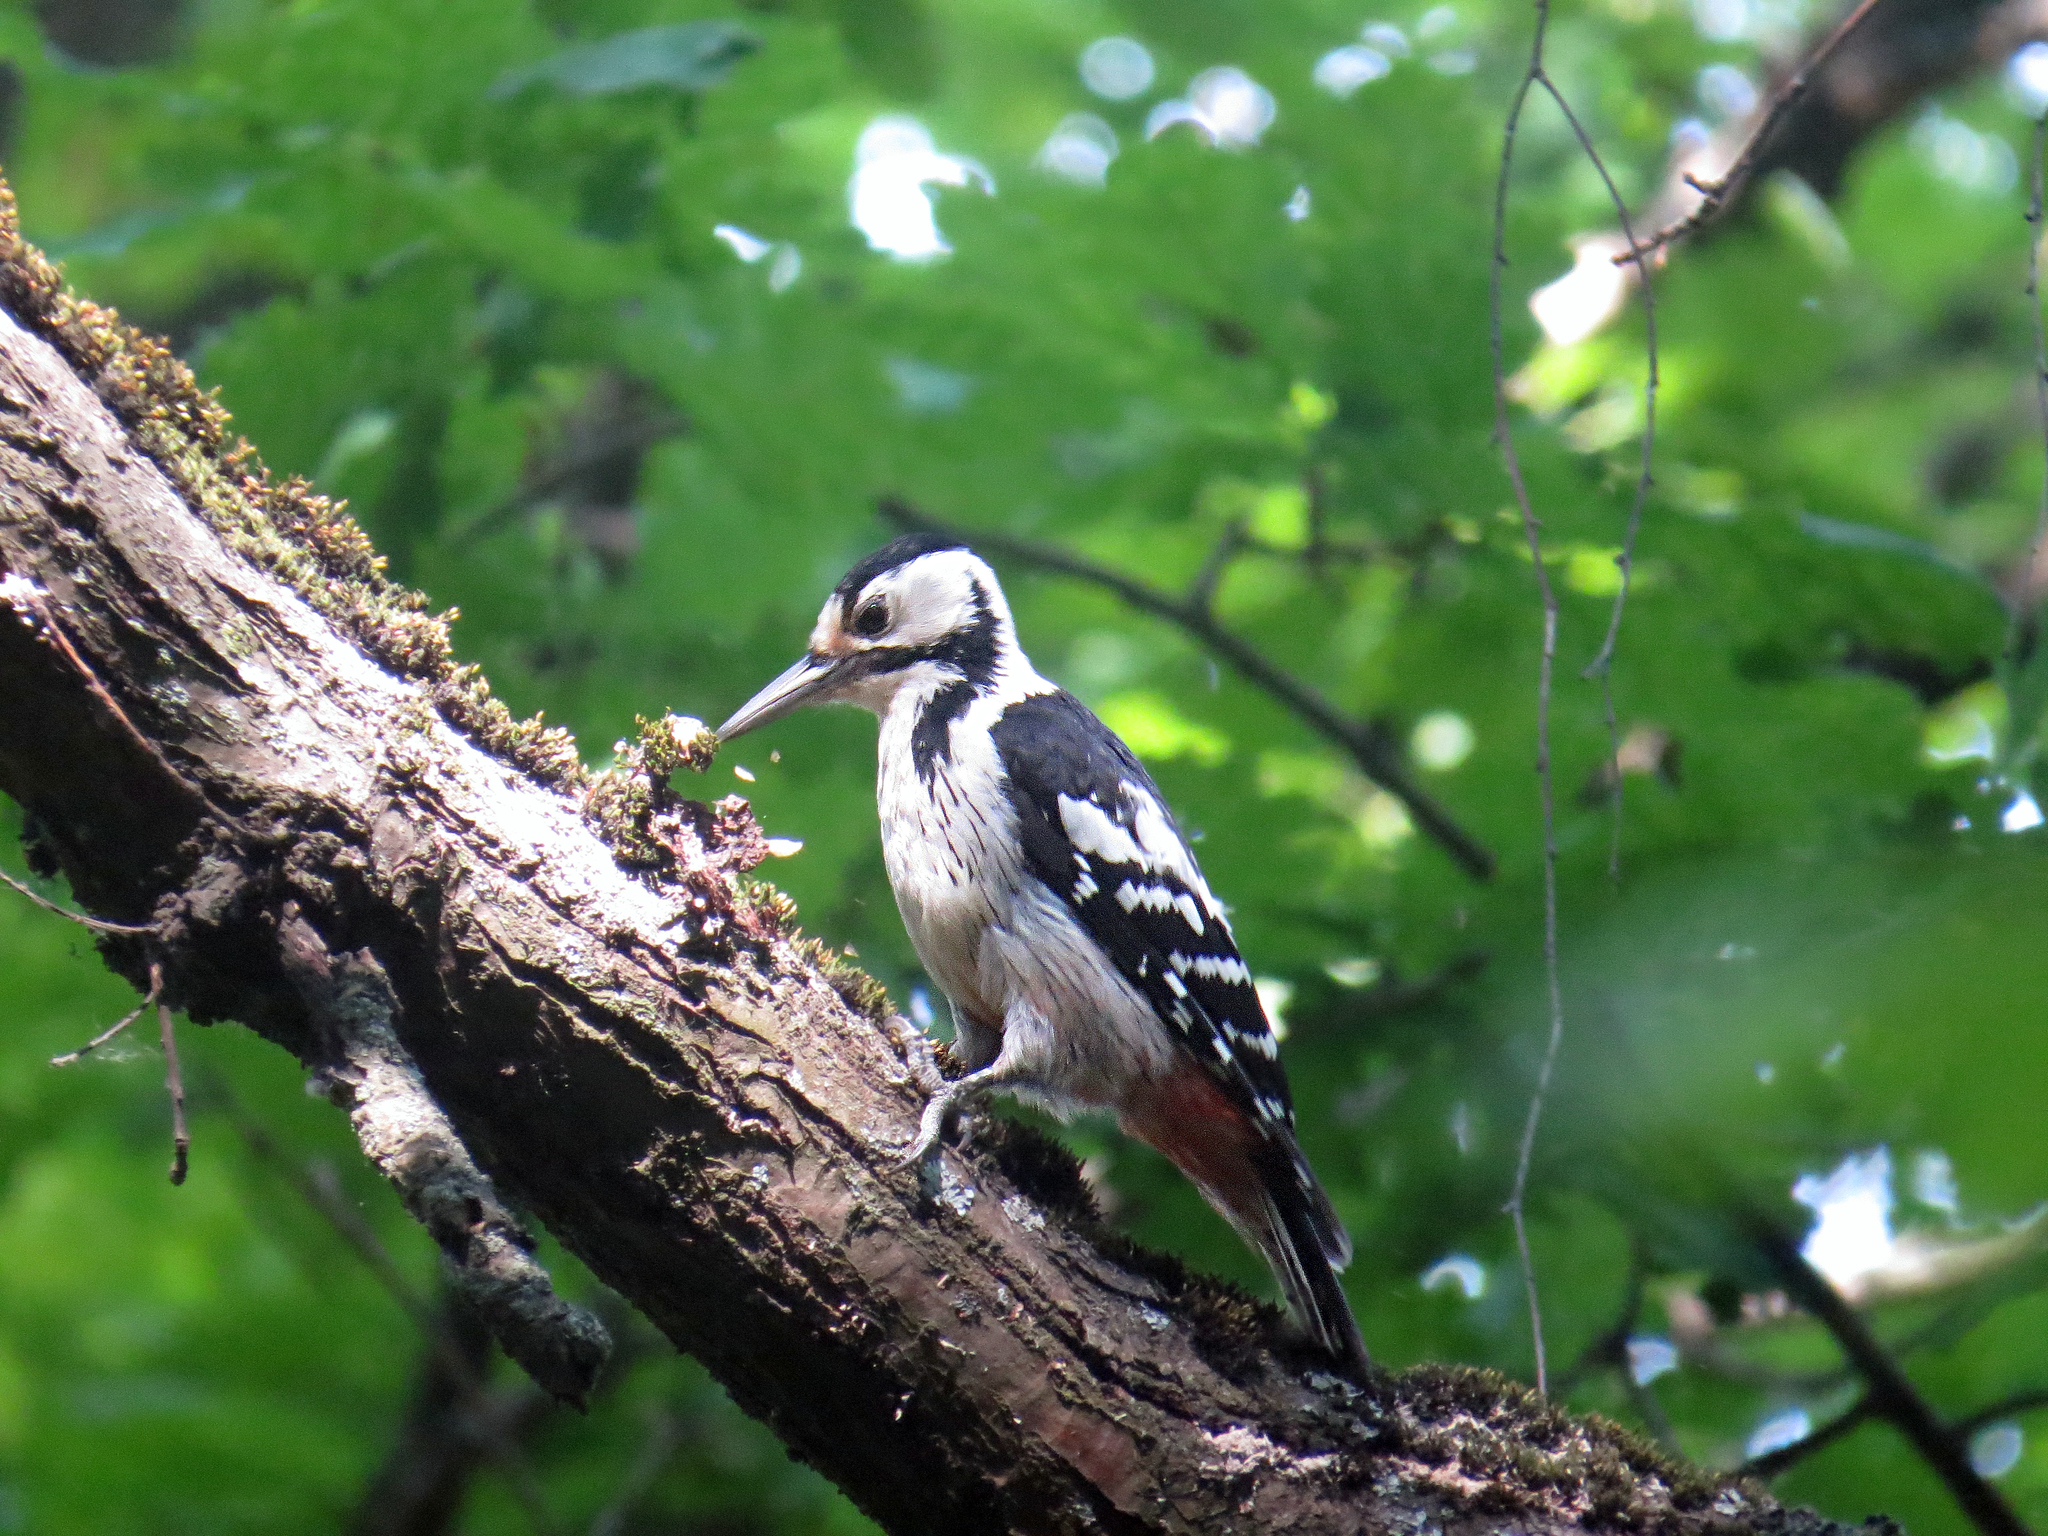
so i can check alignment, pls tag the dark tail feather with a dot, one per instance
(1256, 1176)
(1307, 1245)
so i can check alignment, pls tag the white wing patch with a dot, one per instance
(1103, 834)
(1213, 967)
(1150, 843)
(1090, 830)
(1164, 851)
(1157, 898)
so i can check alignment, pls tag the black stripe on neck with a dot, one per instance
(931, 739)
(970, 652)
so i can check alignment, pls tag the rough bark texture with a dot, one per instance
(225, 725)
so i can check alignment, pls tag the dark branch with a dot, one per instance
(1716, 195)
(1786, 1457)
(1889, 1392)
(1370, 745)
(2004, 1408)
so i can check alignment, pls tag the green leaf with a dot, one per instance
(685, 56)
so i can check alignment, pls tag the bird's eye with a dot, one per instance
(871, 618)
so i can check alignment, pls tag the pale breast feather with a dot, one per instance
(1096, 830)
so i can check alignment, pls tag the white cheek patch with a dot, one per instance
(932, 596)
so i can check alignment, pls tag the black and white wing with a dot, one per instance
(1096, 830)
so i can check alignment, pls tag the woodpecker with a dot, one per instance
(1049, 894)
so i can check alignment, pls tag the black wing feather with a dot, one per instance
(1053, 747)
(1166, 938)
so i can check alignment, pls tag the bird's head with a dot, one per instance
(921, 614)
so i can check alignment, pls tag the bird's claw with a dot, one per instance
(918, 1056)
(931, 1129)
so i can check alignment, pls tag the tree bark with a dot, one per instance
(537, 990)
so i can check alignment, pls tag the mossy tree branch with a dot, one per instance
(546, 993)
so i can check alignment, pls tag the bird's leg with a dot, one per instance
(943, 1105)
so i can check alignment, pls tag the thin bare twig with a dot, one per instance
(1893, 1397)
(1531, 526)
(156, 977)
(1716, 195)
(104, 1035)
(97, 924)
(174, 1076)
(1371, 747)
(2023, 625)
(1602, 665)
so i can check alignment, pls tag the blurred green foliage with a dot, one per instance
(457, 262)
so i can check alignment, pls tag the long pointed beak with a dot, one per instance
(795, 688)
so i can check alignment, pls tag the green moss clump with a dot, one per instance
(675, 742)
(620, 807)
(306, 540)
(860, 991)
(310, 544)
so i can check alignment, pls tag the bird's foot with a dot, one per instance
(931, 1127)
(939, 1111)
(919, 1056)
